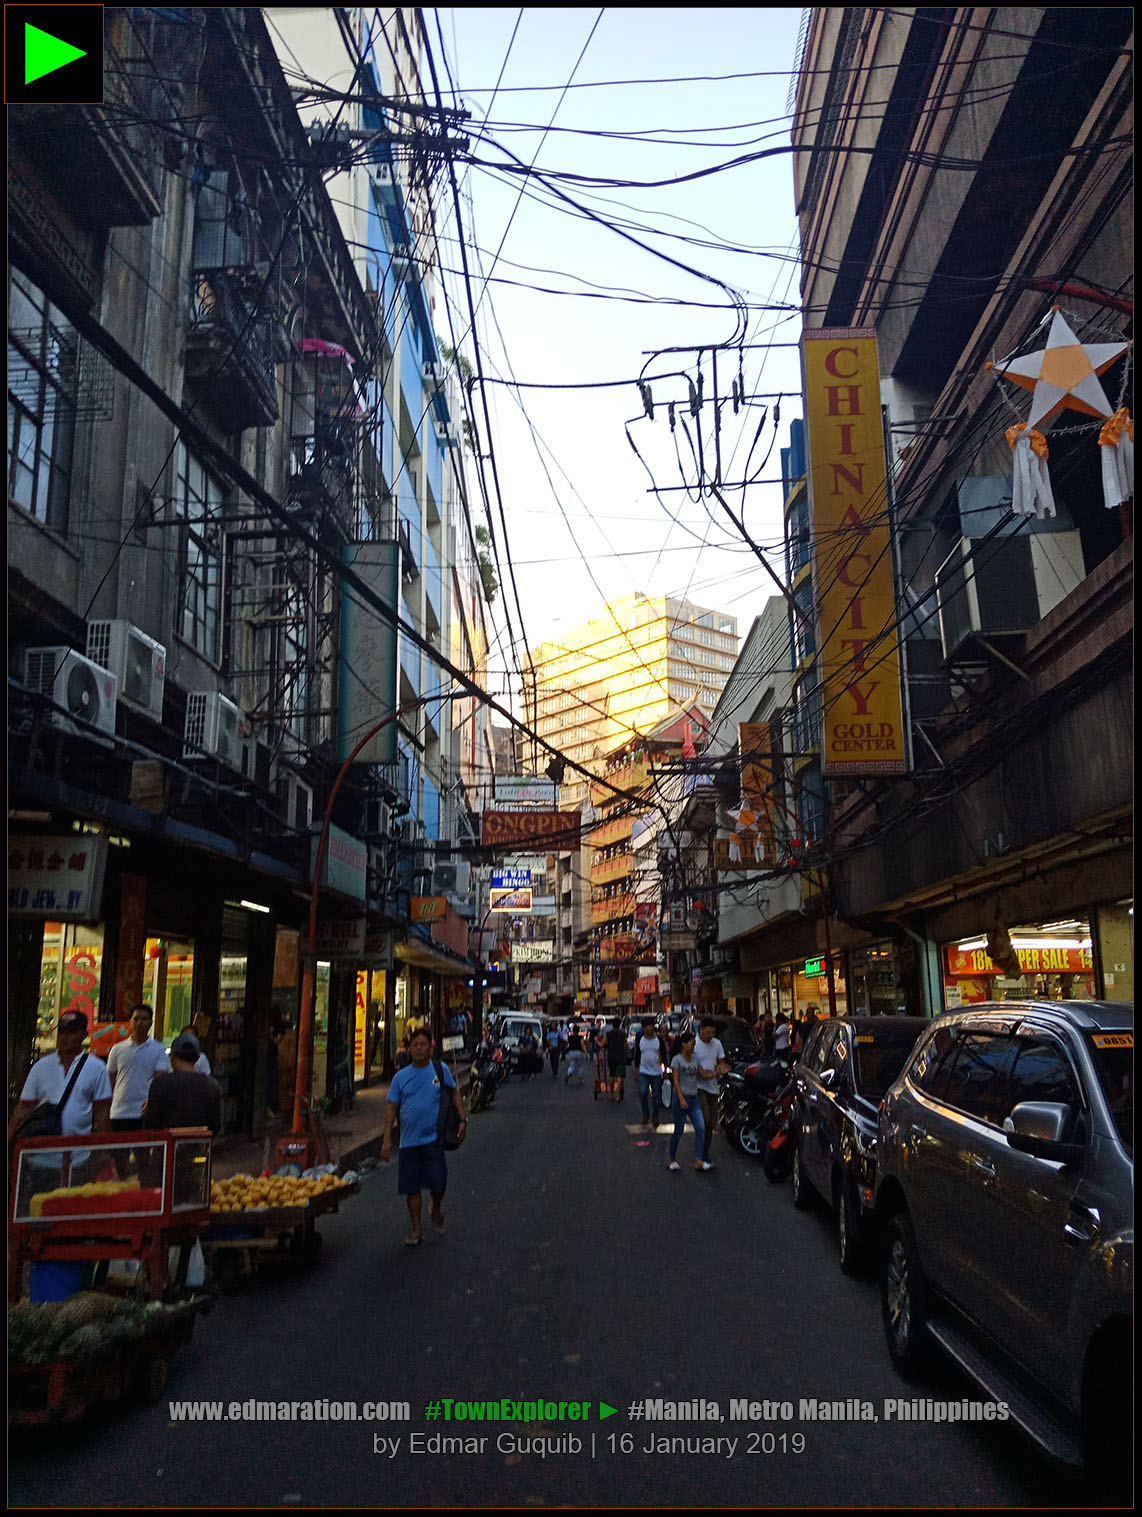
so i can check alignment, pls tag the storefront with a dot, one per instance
(876, 982)
(1055, 960)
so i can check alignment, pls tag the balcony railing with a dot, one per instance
(230, 357)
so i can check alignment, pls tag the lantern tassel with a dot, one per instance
(1116, 445)
(1031, 484)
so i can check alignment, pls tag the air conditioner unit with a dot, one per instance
(433, 373)
(213, 728)
(137, 661)
(1000, 586)
(258, 764)
(297, 801)
(401, 262)
(378, 819)
(86, 691)
(382, 176)
(452, 878)
(445, 434)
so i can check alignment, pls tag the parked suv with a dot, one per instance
(840, 1079)
(508, 1031)
(1005, 1189)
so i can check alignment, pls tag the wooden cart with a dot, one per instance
(64, 1390)
(239, 1243)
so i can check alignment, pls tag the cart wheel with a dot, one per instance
(151, 1380)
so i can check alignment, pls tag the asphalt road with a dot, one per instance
(574, 1268)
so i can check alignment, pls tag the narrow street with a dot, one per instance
(576, 1268)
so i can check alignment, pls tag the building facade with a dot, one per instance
(205, 564)
(990, 185)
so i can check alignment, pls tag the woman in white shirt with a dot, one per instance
(651, 1058)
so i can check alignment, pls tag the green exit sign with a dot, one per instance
(814, 967)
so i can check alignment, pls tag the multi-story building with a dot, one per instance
(609, 682)
(989, 183)
(202, 517)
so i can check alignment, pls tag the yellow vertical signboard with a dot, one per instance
(862, 728)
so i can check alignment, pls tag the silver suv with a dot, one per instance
(1004, 1191)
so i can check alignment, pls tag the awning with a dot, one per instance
(420, 953)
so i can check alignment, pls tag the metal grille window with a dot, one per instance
(198, 504)
(42, 350)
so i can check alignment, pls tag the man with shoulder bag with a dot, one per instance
(68, 1091)
(432, 1119)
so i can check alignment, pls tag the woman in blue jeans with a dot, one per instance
(650, 1051)
(684, 1074)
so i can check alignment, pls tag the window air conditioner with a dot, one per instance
(137, 661)
(382, 175)
(999, 586)
(452, 878)
(86, 691)
(378, 819)
(445, 434)
(432, 373)
(297, 801)
(213, 729)
(401, 262)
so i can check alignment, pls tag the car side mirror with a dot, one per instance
(1037, 1128)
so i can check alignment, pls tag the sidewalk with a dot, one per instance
(354, 1136)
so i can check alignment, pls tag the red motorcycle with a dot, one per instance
(777, 1155)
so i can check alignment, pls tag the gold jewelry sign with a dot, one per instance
(862, 730)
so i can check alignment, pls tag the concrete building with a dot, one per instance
(601, 685)
(958, 174)
(204, 510)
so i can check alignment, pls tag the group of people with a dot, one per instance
(784, 1034)
(693, 1060)
(138, 1089)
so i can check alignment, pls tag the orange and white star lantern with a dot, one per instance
(1064, 374)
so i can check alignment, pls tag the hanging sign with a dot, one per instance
(548, 831)
(57, 877)
(863, 730)
(510, 900)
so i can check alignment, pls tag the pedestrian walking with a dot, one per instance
(651, 1052)
(131, 1066)
(574, 1055)
(415, 1094)
(616, 1059)
(684, 1073)
(711, 1057)
(554, 1049)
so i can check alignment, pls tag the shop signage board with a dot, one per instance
(863, 728)
(737, 852)
(59, 877)
(367, 687)
(379, 949)
(678, 942)
(345, 865)
(510, 900)
(427, 908)
(542, 905)
(510, 879)
(542, 952)
(814, 968)
(1044, 960)
(341, 939)
(524, 790)
(548, 831)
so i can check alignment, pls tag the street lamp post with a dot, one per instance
(297, 1141)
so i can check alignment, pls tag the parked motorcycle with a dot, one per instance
(777, 1156)
(487, 1074)
(745, 1097)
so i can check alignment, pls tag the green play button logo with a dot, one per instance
(53, 54)
(43, 53)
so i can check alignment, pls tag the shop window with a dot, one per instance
(71, 969)
(42, 367)
(1056, 960)
(168, 979)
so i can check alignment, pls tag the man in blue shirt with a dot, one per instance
(415, 1094)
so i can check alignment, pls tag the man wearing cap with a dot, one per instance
(88, 1105)
(131, 1065)
(184, 1098)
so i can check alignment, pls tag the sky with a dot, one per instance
(580, 521)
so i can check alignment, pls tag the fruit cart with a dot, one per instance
(104, 1196)
(75, 1202)
(65, 1357)
(272, 1218)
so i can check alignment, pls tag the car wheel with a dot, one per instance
(849, 1250)
(904, 1299)
(751, 1141)
(799, 1187)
